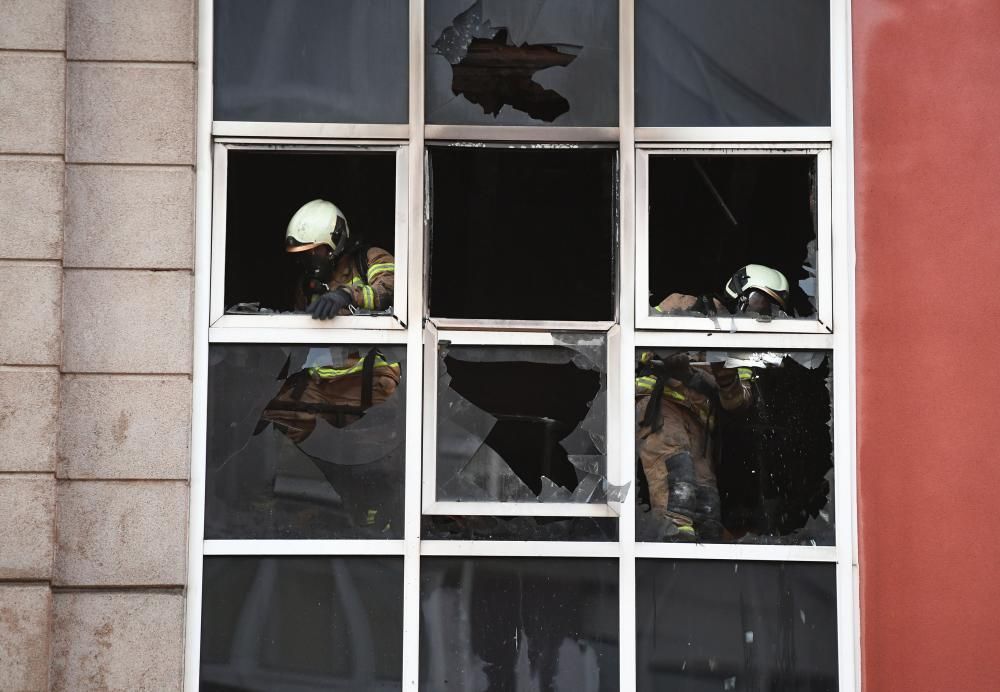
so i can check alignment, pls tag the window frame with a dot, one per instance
(632, 141)
(822, 323)
(218, 317)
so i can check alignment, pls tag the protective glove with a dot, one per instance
(329, 304)
(678, 366)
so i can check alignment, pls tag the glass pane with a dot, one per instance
(713, 218)
(523, 233)
(305, 441)
(522, 62)
(304, 623)
(312, 61)
(266, 190)
(732, 62)
(704, 626)
(523, 424)
(734, 446)
(518, 528)
(518, 624)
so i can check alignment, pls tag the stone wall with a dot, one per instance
(97, 152)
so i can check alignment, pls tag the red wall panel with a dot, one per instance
(927, 118)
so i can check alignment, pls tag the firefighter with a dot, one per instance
(338, 272)
(753, 290)
(677, 407)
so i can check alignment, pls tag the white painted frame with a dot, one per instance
(220, 320)
(431, 505)
(838, 137)
(823, 322)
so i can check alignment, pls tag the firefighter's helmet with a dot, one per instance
(757, 277)
(317, 223)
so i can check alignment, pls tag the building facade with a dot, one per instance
(142, 150)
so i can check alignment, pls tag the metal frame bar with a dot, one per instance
(220, 320)
(835, 141)
(823, 322)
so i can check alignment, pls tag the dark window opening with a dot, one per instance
(519, 624)
(527, 234)
(305, 442)
(266, 188)
(520, 424)
(711, 215)
(518, 528)
(751, 435)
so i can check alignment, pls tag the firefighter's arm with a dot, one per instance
(735, 392)
(375, 293)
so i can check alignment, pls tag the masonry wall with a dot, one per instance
(97, 140)
(927, 104)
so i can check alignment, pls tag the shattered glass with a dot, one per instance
(302, 623)
(746, 63)
(523, 424)
(519, 624)
(760, 444)
(748, 626)
(305, 441)
(722, 212)
(522, 62)
(311, 61)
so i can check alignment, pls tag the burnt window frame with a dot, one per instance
(631, 141)
(222, 147)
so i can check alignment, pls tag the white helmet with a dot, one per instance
(317, 223)
(757, 277)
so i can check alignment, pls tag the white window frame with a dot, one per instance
(223, 145)
(823, 321)
(632, 141)
(614, 462)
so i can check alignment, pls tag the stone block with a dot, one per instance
(130, 113)
(121, 533)
(136, 30)
(32, 108)
(29, 419)
(31, 207)
(121, 426)
(33, 24)
(25, 621)
(127, 321)
(26, 525)
(105, 205)
(117, 641)
(30, 303)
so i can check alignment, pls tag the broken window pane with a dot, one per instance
(311, 61)
(713, 625)
(522, 62)
(305, 441)
(732, 62)
(265, 274)
(711, 216)
(525, 233)
(523, 424)
(518, 528)
(734, 446)
(519, 624)
(303, 623)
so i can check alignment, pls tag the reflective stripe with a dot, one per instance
(382, 268)
(745, 373)
(329, 372)
(357, 280)
(368, 297)
(658, 309)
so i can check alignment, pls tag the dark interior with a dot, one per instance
(536, 406)
(710, 215)
(265, 188)
(520, 233)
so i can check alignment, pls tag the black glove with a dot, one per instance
(329, 304)
(678, 366)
